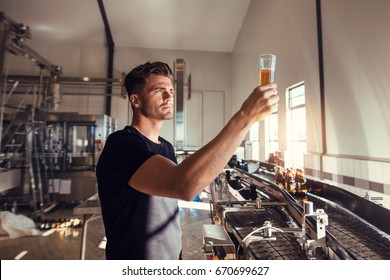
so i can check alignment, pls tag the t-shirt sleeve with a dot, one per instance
(121, 158)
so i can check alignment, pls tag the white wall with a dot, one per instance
(356, 67)
(357, 94)
(286, 28)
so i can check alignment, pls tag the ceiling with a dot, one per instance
(201, 25)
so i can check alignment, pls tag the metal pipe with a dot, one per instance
(110, 63)
(17, 46)
(4, 34)
(322, 84)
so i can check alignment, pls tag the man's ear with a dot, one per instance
(134, 100)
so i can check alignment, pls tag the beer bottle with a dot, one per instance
(301, 181)
(298, 183)
(280, 179)
(290, 181)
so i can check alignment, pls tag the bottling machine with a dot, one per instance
(46, 156)
(254, 217)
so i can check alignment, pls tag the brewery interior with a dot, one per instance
(312, 181)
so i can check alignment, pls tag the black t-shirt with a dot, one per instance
(138, 225)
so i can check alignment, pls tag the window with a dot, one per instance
(296, 125)
(254, 141)
(271, 134)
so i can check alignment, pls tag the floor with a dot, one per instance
(65, 244)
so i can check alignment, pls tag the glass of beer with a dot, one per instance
(266, 69)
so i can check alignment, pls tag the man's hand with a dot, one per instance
(260, 103)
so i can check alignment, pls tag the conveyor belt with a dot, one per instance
(285, 247)
(365, 241)
(362, 239)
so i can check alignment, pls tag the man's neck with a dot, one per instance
(149, 129)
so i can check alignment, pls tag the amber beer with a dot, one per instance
(266, 68)
(265, 76)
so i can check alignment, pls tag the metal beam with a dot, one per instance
(322, 83)
(110, 62)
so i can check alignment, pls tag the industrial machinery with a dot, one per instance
(254, 217)
(71, 145)
(53, 158)
(22, 127)
(45, 156)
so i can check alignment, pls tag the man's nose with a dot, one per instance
(168, 95)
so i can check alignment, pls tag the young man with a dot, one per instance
(139, 180)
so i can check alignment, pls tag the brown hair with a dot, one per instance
(136, 78)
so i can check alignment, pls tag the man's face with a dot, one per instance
(156, 100)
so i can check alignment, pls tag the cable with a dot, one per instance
(253, 232)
